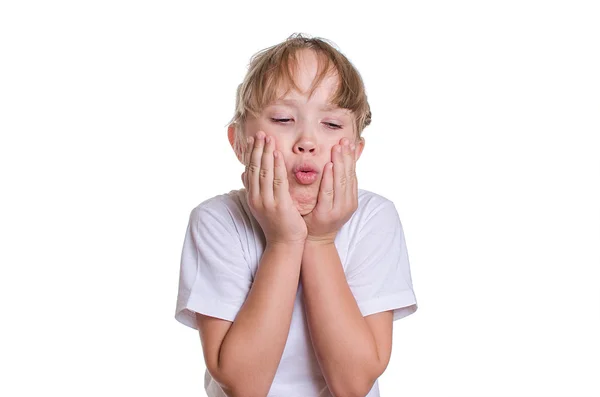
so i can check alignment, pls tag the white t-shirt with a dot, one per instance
(221, 252)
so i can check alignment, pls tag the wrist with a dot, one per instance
(285, 244)
(326, 239)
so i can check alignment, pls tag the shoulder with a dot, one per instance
(375, 215)
(372, 204)
(225, 208)
(366, 197)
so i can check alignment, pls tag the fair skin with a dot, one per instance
(306, 129)
(353, 351)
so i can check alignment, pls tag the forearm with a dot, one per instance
(252, 349)
(344, 345)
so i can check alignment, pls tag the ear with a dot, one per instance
(360, 145)
(231, 136)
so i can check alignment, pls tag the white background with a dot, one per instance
(485, 135)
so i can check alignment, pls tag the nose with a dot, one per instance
(305, 144)
(305, 147)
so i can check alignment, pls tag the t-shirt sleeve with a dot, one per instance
(378, 270)
(214, 278)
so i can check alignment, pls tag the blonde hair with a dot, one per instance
(272, 69)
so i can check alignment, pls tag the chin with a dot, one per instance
(305, 199)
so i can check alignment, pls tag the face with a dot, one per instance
(306, 129)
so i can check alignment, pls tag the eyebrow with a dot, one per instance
(290, 102)
(294, 102)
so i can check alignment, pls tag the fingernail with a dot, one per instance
(268, 139)
(338, 149)
(353, 146)
(249, 140)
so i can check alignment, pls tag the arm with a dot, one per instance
(345, 347)
(351, 350)
(249, 354)
(246, 360)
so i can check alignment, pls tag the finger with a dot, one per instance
(280, 179)
(339, 177)
(326, 192)
(246, 158)
(354, 176)
(349, 158)
(266, 172)
(247, 150)
(348, 164)
(254, 166)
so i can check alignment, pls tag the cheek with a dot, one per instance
(328, 148)
(268, 128)
(289, 162)
(283, 143)
(253, 126)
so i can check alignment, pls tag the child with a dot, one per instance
(294, 281)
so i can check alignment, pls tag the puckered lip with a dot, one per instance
(306, 166)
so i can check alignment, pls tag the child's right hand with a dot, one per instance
(265, 179)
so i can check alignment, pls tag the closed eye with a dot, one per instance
(281, 120)
(333, 126)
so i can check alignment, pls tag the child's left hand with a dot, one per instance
(338, 195)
